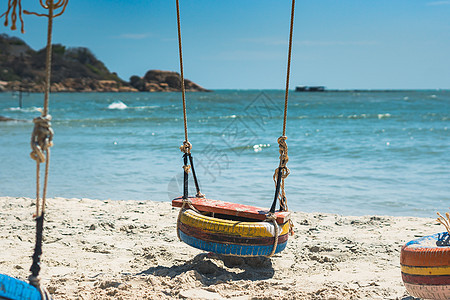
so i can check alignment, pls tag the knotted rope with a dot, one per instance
(41, 138)
(271, 217)
(284, 158)
(186, 147)
(41, 141)
(282, 172)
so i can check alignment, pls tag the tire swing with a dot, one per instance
(229, 228)
(41, 140)
(425, 264)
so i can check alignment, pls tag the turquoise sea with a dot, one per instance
(352, 153)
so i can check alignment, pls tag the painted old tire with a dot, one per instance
(228, 237)
(426, 267)
(15, 289)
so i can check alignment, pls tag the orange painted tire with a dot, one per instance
(426, 267)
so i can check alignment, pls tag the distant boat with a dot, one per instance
(304, 88)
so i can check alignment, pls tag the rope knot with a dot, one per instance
(200, 195)
(187, 168)
(41, 137)
(284, 172)
(186, 147)
(284, 158)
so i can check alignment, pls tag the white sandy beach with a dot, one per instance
(96, 249)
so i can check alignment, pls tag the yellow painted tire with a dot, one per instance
(229, 237)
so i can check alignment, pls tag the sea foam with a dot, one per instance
(117, 105)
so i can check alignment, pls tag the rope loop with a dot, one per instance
(41, 138)
(186, 147)
(284, 173)
(284, 158)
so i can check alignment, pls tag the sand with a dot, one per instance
(95, 249)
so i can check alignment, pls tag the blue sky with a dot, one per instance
(343, 44)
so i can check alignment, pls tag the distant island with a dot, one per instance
(75, 70)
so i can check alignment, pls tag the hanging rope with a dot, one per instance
(282, 172)
(183, 91)
(286, 94)
(41, 141)
(186, 147)
(15, 8)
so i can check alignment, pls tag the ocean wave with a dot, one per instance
(361, 116)
(143, 107)
(222, 117)
(383, 116)
(228, 117)
(117, 105)
(94, 122)
(354, 116)
(27, 109)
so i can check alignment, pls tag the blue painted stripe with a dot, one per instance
(15, 289)
(436, 237)
(230, 249)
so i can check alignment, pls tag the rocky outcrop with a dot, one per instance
(71, 85)
(163, 81)
(5, 119)
(74, 70)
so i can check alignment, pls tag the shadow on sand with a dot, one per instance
(212, 268)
